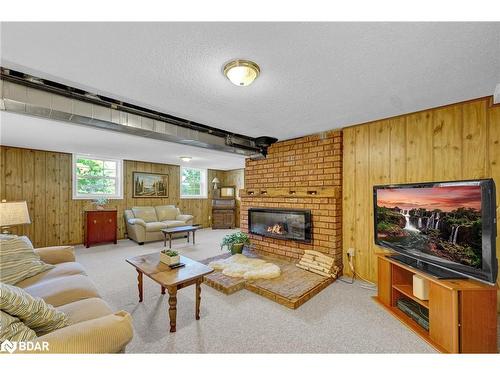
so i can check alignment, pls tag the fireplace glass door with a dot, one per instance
(281, 223)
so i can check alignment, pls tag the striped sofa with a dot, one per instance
(94, 328)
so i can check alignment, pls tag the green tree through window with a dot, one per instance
(193, 182)
(96, 177)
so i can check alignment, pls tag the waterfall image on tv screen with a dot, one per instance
(443, 221)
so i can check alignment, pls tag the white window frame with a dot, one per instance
(118, 178)
(204, 184)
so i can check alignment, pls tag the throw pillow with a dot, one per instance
(14, 330)
(18, 260)
(32, 311)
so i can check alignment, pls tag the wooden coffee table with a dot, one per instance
(170, 279)
(184, 229)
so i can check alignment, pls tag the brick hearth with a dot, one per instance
(312, 162)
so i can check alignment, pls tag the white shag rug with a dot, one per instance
(240, 265)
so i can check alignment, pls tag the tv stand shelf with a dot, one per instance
(407, 290)
(462, 312)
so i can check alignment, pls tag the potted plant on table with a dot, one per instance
(100, 202)
(169, 257)
(234, 242)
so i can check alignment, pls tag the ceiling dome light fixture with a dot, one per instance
(186, 159)
(241, 72)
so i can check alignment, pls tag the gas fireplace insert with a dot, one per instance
(287, 224)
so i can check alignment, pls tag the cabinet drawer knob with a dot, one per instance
(110, 220)
(95, 221)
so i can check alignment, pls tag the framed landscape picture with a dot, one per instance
(150, 185)
(228, 192)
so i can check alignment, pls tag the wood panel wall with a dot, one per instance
(455, 142)
(43, 179)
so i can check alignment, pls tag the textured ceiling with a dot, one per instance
(315, 76)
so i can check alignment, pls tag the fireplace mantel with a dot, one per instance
(333, 192)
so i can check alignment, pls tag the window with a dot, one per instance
(193, 183)
(95, 177)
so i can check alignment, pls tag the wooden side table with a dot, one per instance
(169, 232)
(170, 279)
(100, 226)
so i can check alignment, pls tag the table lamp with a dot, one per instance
(13, 213)
(215, 181)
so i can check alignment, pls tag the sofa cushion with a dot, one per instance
(13, 329)
(60, 270)
(64, 290)
(174, 223)
(56, 254)
(18, 260)
(167, 212)
(155, 227)
(32, 311)
(148, 214)
(107, 334)
(86, 309)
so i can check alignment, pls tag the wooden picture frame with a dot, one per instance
(228, 192)
(149, 185)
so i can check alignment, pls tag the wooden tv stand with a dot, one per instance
(462, 312)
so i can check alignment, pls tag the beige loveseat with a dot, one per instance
(144, 224)
(94, 328)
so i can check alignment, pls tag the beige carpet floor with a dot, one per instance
(340, 319)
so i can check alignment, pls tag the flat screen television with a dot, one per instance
(445, 228)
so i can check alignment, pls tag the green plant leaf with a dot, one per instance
(238, 237)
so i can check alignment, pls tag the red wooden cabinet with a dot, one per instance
(100, 226)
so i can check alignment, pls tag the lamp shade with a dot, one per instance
(215, 180)
(14, 213)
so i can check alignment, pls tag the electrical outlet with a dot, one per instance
(350, 251)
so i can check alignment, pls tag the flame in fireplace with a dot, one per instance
(276, 229)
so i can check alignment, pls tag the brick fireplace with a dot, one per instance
(303, 174)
